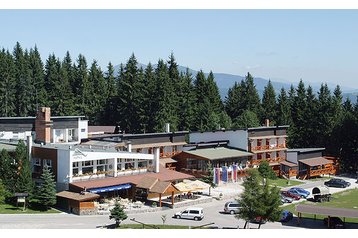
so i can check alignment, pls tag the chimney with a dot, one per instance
(267, 122)
(129, 146)
(43, 125)
(167, 127)
(29, 146)
(156, 159)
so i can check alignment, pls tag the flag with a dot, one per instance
(225, 174)
(216, 175)
(234, 173)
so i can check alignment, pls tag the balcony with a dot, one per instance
(270, 160)
(168, 154)
(263, 148)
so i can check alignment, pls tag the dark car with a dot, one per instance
(338, 183)
(291, 195)
(334, 222)
(286, 216)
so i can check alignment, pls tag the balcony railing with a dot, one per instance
(270, 160)
(268, 147)
(168, 154)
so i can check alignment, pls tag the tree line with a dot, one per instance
(142, 100)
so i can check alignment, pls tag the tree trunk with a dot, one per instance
(245, 224)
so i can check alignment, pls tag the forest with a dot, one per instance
(142, 100)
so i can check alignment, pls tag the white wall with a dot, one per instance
(64, 169)
(83, 124)
(292, 157)
(7, 135)
(237, 139)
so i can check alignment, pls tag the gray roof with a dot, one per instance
(305, 150)
(328, 211)
(218, 153)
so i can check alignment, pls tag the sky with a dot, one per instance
(279, 44)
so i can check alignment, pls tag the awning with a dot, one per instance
(165, 161)
(289, 164)
(316, 161)
(111, 188)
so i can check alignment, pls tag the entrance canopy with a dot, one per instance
(111, 188)
(316, 161)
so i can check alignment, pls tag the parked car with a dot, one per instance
(259, 220)
(291, 195)
(285, 199)
(334, 222)
(195, 213)
(299, 192)
(286, 216)
(339, 183)
(232, 207)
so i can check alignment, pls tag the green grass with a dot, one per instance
(139, 226)
(10, 209)
(345, 199)
(279, 182)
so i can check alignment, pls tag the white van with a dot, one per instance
(195, 213)
(232, 207)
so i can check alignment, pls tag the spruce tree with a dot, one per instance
(7, 84)
(309, 130)
(283, 116)
(266, 171)
(251, 96)
(8, 171)
(246, 120)
(269, 104)
(149, 103)
(24, 180)
(2, 193)
(46, 193)
(325, 111)
(203, 110)
(209, 177)
(83, 87)
(118, 214)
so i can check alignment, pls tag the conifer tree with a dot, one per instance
(46, 193)
(98, 98)
(83, 87)
(140, 98)
(2, 193)
(209, 177)
(7, 84)
(149, 103)
(203, 110)
(283, 116)
(325, 110)
(310, 117)
(25, 90)
(24, 180)
(251, 96)
(246, 120)
(118, 214)
(269, 103)
(8, 171)
(37, 75)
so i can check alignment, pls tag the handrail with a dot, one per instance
(153, 226)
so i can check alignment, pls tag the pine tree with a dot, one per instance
(46, 193)
(8, 171)
(309, 131)
(109, 113)
(53, 84)
(269, 103)
(118, 214)
(140, 98)
(2, 193)
(266, 171)
(283, 116)
(37, 75)
(203, 110)
(325, 110)
(25, 90)
(246, 120)
(186, 95)
(7, 84)
(251, 96)
(213, 94)
(149, 104)
(164, 106)
(83, 87)
(209, 177)
(24, 181)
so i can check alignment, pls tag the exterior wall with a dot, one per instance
(45, 154)
(309, 155)
(292, 157)
(43, 125)
(83, 129)
(17, 124)
(7, 135)
(64, 168)
(237, 138)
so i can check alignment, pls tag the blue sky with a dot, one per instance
(283, 45)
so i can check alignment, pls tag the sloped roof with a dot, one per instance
(161, 187)
(163, 175)
(77, 196)
(218, 153)
(289, 164)
(316, 161)
(147, 182)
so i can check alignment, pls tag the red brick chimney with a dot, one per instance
(43, 125)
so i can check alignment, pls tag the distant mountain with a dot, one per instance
(226, 81)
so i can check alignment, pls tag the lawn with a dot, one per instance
(279, 182)
(10, 209)
(345, 199)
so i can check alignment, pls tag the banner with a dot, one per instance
(225, 174)
(234, 173)
(216, 175)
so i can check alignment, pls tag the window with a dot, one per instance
(87, 163)
(75, 164)
(75, 171)
(83, 130)
(100, 168)
(102, 161)
(37, 162)
(47, 162)
(87, 170)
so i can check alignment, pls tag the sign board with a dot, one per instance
(21, 199)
